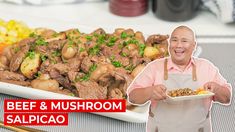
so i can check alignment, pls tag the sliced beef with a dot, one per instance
(126, 78)
(56, 44)
(109, 51)
(19, 56)
(74, 64)
(123, 60)
(41, 49)
(7, 75)
(3, 60)
(65, 91)
(3, 67)
(156, 39)
(90, 90)
(105, 80)
(62, 68)
(99, 59)
(59, 67)
(22, 83)
(86, 64)
(115, 93)
(8, 52)
(24, 44)
(106, 51)
(16, 61)
(44, 66)
(135, 61)
(72, 75)
(62, 80)
(99, 31)
(46, 33)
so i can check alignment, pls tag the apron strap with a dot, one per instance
(165, 70)
(194, 74)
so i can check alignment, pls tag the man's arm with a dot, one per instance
(142, 95)
(222, 93)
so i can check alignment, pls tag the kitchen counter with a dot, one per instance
(92, 15)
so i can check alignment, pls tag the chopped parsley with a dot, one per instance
(112, 57)
(40, 42)
(112, 41)
(110, 44)
(33, 35)
(129, 68)
(43, 58)
(16, 49)
(132, 41)
(56, 53)
(123, 35)
(124, 54)
(100, 39)
(92, 68)
(81, 49)
(38, 74)
(89, 38)
(114, 62)
(141, 49)
(55, 35)
(120, 46)
(117, 63)
(70, 43)
(124, 43)
(86, 77)
(94, 50)
(31, 54)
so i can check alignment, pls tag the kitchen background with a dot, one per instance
(212, 21)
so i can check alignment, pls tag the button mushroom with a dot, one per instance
(69, 51)
(48, 85)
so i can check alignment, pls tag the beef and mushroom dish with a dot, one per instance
(182, 92)
(97, 65)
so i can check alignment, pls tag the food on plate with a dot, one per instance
(30, 65)
(12, 31)
(201, 91)
(181, 92)
(137, 70)
(97, 65)
(151, 52)
(186, 92)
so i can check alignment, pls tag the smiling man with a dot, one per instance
(180, 70)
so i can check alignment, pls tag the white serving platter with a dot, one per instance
(137, 115)
(190, 97)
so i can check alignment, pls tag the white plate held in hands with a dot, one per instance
(190, 97)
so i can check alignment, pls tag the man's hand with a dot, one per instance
(212, 87)
(222, 94)
(158, 92)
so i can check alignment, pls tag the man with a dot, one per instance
(180, 70)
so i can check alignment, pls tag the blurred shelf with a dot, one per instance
(93, 15)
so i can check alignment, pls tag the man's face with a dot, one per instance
(182, 44)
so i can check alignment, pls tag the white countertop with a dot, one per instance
(91, 15)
